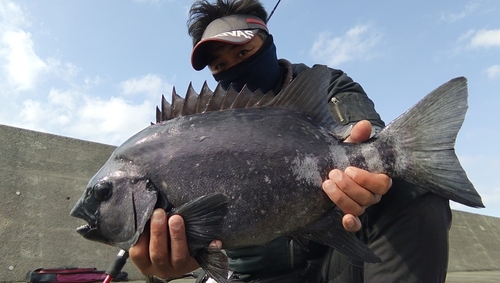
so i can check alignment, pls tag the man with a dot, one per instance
(232, 39)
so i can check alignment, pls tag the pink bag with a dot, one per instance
(70, 275)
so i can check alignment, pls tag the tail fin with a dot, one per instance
(424, 139)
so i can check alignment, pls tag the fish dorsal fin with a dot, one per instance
(208, 101)
(307, 94)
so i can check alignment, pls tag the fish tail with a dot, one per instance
(423, 140)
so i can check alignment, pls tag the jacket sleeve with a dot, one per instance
(349, 103)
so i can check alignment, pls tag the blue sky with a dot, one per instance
(95, 70)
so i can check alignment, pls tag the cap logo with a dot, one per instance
(248, 34)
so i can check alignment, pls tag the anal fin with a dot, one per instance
(329, 231)
(214, 262)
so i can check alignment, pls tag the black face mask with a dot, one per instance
(259, 71)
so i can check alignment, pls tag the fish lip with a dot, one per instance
(81, 214)
(84, 229)
(91, 233)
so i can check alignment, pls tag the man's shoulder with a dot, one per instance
(298, 68)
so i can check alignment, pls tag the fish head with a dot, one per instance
(116, 205)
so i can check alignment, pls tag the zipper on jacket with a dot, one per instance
(336, 102)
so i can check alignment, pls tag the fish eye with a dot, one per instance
(103, 191)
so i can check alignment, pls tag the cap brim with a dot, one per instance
(199, 58)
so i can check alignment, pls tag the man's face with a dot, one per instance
(222, 56)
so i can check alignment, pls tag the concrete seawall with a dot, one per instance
(43, 175)
(474, 243)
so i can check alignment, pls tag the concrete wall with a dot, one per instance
(42, 176)
(474, 242)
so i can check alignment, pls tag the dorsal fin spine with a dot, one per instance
(203, 98)
(166, 109)
(190, 100)
(306, 94)
(177, 104)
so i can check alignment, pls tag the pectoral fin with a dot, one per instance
(203, 219)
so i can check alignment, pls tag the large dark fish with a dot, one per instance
(253, 171)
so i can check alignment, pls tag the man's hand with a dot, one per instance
(355, 189)
(152, 254)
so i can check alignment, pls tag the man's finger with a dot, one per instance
(360, 132)
(139, 253)
(180, 257)
(158, 243)
(351, 223)
(378, 184)
(338, 188)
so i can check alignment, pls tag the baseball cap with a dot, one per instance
(234, 29)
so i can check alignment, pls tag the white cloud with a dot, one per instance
(56, 112)
(22, 68)
(72, 108)
(67, 100)
(65, 71)
(12, 15)
(91, 82)
(484, 38)
(493, 72)
(80, 115)
(22, 65)
(151, 85)
(356, 43)
(453, 17)
(478, 39)
(32, 112)
(111, 121)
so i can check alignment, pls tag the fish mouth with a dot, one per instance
(90, 232)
